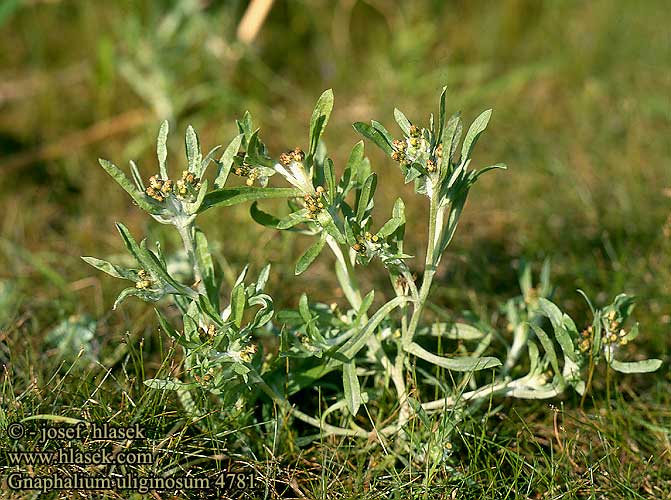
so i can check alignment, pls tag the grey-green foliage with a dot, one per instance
(368, 345)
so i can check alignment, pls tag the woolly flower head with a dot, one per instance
(292, 169)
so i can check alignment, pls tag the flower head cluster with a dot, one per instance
(369, 246)
(159, 189)
(614, 334)
(241, 354)
(416, 148)
(243, 168)
(292, 169)
(367, 243)
(314, 202)
(144, 280)
(207, 334)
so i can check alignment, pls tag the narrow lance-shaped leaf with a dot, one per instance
(374, 135)
(350, 348)
(646, 366)
(398, 212)
(441, 114)
(354, 162)
(320, 117)
(129, 242)
(225, 197)
(458, 331)
(450, 139)
(129, 292)
(402, 121)
(263, 278)
(263, 218)
(209, 310)
(193, 154)
(238, 304)
(206, 264)
(117, 174)
(162, 149)
(329, 174)
(556, 318)
(460, 364)
(226, 161)
(256, 152)
(498, 166)
(447, 234)
(294, 218)
(383, 131)
(365, 196)
(155, 267)
(548, 346)
(534, 355)
(310, 255)
(173, 333)
(304, 308)
(246, 126)
(351, 387)
(477, 127)
(265, 313)
(390, 226)
(363, 310)
(150, 262)
(109, 268)
(350, 237)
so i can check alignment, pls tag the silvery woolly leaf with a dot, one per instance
(402, 121)
(142, 200)
(351, 387)
(148, 295)
(461, 364)
(111, 269)
(193, 154)
(646, 366)
(162, 149)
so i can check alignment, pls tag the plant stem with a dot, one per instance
(408, 332)
(186, 233)
(349, 285)
(353, 294)
(495, 389)
(429, 269)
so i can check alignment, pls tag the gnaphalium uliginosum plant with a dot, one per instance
(373, 348)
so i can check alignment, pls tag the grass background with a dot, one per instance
(580, 92)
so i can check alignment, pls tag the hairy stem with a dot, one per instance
(429, 269)
(186, 231)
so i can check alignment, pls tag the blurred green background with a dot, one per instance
(580, 92)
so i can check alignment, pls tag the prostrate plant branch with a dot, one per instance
(368, 345)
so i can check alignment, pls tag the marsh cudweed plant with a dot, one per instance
(374, 352)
